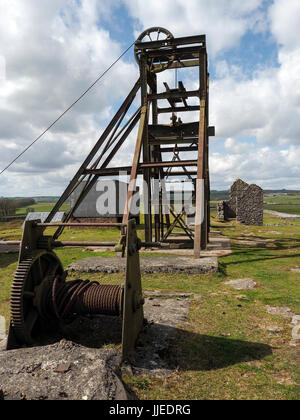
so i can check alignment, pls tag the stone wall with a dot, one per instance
(222, 211)
(234, 191)
(249, 209)
(245, 204)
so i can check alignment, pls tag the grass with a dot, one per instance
(11, 231)
(225, 350)
(284, 204)
(284, 208)
(283, 199)
(42, 207)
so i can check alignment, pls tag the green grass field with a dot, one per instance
(41, 207)
(284, 208)
(283, 199)
(225, 350)
(283, 203)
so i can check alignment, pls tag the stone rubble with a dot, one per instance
(241, 284)
(283, 311)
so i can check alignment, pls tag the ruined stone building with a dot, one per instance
(245, 204)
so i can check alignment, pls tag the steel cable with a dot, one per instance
(67, 110)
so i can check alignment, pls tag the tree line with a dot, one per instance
(8, 206)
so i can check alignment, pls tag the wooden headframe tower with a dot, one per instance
(156, 50)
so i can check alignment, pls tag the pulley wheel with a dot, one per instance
(150, 35)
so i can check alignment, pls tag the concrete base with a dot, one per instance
(218, 246)
(178, 265)
(183, 261)
(9, 247)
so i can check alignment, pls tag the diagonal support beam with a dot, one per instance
(136, 159)
(94, 151)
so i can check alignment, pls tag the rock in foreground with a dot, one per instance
(61, 371)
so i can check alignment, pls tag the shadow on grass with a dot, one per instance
(186, 350)
(222, 227)
(162, 346)
(256, 254)
(89, 331)
(8, 259)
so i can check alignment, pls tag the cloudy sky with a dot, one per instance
(52, 50)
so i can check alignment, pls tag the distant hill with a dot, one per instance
(224, 195)
(288, 192)
(219, 195)
(214, 194)
(40, 199)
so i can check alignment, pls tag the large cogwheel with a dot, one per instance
(30, 274)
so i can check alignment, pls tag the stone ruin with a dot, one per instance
(245, 204)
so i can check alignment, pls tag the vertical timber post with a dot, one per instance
(156, 157)
(146, 152)
(207, 166)
(200, 241)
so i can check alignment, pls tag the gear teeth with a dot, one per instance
(17, 293)
(16, 307)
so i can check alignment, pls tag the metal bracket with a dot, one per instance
(133, 314)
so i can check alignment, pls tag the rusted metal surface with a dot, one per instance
(172, 42)
(60, 244)
(133, 317)
(113, 225)
(42, 298)
(31, 272)
(154, 34)
(82, 298)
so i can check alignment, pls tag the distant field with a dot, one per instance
(283, 204)
(42, 207)
(283, 199)
(282, 208)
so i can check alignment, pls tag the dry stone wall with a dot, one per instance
(245, 204)
(249, 209)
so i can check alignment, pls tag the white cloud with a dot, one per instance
(285, 21)
(267, 105)
(224, 22)
(268, 167)
(52, 54)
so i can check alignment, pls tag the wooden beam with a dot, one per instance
(134, 169)
(179, 109)
(199, 217)
(174, 95)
